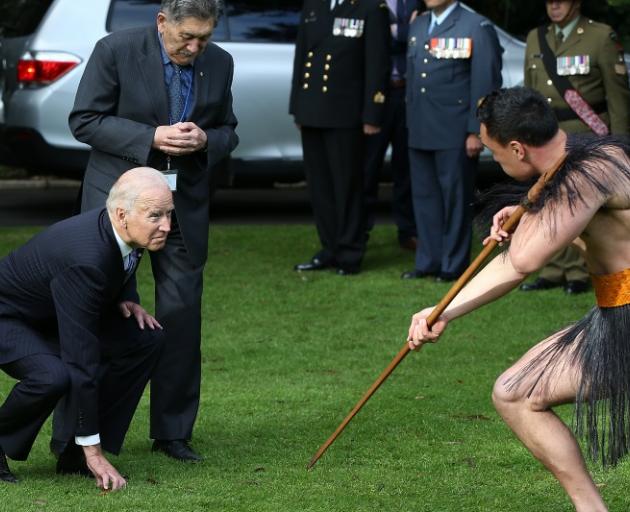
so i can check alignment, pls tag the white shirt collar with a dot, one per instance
(125, 249)
(437, 20)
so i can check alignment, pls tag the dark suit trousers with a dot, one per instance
(333, 163)
(176, 381)
(43, 380)
(127, 358)
(394, 131)
(442, 184)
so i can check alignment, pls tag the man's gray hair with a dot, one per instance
(177, 10)
(128, 187)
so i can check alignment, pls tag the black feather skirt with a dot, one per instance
(599, 345)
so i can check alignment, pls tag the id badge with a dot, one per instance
(171, 178)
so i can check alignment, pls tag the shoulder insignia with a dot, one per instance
(621, 69)
(590, 22)
(379, 97)
(580, 31)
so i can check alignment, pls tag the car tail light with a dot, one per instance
(43, 68)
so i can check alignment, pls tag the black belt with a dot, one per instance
(566, 114)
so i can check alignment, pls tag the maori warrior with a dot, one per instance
(588, 363)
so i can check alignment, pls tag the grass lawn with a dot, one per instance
(287, 355)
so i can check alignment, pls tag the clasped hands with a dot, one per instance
(179, 139)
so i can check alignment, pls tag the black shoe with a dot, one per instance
(409, 244)
(5, 472)
(72, 461)
(315, 264)
(416, 274)
(446, 277)
(575, 287)
(348, 271)
(539, 284)
(177, 449)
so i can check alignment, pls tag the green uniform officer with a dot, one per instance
(588, 54)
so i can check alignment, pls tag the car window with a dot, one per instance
(21, 17)
(273, 21)
(136, 13)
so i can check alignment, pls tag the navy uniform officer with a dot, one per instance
(587, 54)
(454, 59)
(340, 76)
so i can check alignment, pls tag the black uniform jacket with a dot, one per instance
(342, 64)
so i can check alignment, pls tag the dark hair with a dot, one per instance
(518, 113)
(177, 10)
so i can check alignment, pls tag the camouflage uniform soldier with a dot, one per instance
(588, 54)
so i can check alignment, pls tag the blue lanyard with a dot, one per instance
(185, 109)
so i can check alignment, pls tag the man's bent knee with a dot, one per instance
(53, 381)
(504, 395)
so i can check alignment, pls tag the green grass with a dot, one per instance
(287, 355)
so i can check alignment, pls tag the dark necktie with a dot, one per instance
(175, 100)
(402, 21)
(559, 38)
(335, 3)
(131, 263)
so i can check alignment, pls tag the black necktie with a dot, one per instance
(559, 37)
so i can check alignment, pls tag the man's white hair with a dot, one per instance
(128, 187)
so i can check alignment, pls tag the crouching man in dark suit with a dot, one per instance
(71, 327)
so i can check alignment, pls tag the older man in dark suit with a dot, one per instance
(71, 326)
(162, 97)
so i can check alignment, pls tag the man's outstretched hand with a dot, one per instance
(106, 475)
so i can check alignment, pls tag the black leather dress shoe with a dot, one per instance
(539, 284)
(5, 472)
(72, 461)
(575, 287)
(416, 274)
(314, 264)
(348, 271)
(446, 277)
(177, 449)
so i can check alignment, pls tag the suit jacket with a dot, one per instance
(443, 91)
(54, 291)
(121, 100)
(604, 85)
(341, 66)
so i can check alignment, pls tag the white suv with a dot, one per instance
(44, 45)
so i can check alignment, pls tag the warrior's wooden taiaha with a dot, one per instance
(509, 226)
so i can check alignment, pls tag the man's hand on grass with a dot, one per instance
(106, 475)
